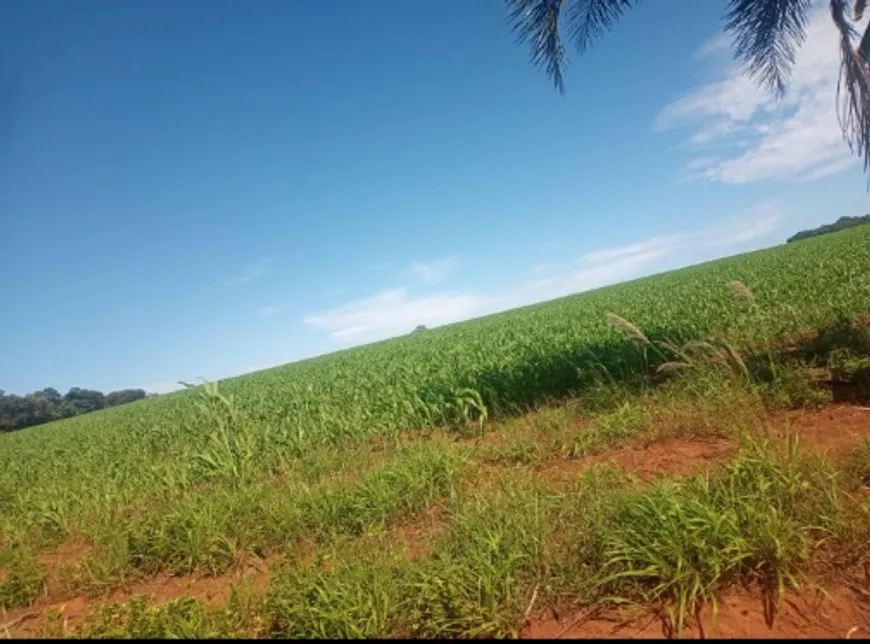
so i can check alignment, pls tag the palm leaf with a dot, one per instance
(589, 19)
(853, 88)
(536, 23)
(766, 35)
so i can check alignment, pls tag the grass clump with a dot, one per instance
(479, 579)
(22, 578)
(182, 618)
(680, 542)
(211, 531)
(416, 478)
(609, 430)
(357, 598)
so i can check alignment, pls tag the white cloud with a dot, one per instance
(541, 268)
(759, 138)
(765, 219)
(433, 272)
(267, 311)
(719, 44)
(162, 387)
(257, 367)
(392, 311)
(254, 271)
(396, 311)
(658, 246)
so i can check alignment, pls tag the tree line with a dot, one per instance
(841, 224)
(18, 412)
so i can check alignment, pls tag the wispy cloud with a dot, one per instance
(765, 219)
(435, 271)
(395, 311)
(658, 246)
(741, 133)
(267, 311)
(164, 387)
(254, 271)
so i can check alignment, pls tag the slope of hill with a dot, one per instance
(464, 480)
(843, 223)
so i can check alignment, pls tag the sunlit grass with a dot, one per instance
(333, 456)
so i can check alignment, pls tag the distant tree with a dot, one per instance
(81, 401)
(841, 224)
(766, 35)
(419, 327)
(18, 412)
(124, 396)
(52, 395)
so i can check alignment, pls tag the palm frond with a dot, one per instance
(536, 23)
(589, 19)
(853, 88)
(864, 45)
(766, 35)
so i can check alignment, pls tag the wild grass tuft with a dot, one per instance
(680, 542)
(23, 579)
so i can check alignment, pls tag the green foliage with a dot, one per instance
(185, 474)
(183, 618)
(609, 430)
(355, 600)
(232, 442)
(39, 407)
(23, 578)
(477, 582)
(841, 224)
(681, 541)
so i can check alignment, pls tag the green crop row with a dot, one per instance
(58, 475)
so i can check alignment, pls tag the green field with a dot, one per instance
(184, 482)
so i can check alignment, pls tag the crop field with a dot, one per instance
(652, 445)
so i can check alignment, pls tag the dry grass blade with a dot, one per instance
(583, 617)
(742, 293)
(531, 604)
(736, 359)
(671, 367)
(631, 330)
(15, 622)
(668, 345)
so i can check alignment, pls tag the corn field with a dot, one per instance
(77, 470)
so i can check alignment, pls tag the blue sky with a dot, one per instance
(207, 188)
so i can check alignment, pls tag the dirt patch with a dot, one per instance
(834, 429)
(64, 555)
(668, 457)
(213, 591)
(674, 457)
(418, 538)
(804, 614)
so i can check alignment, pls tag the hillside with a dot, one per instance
(489, 477)
(843, 223)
